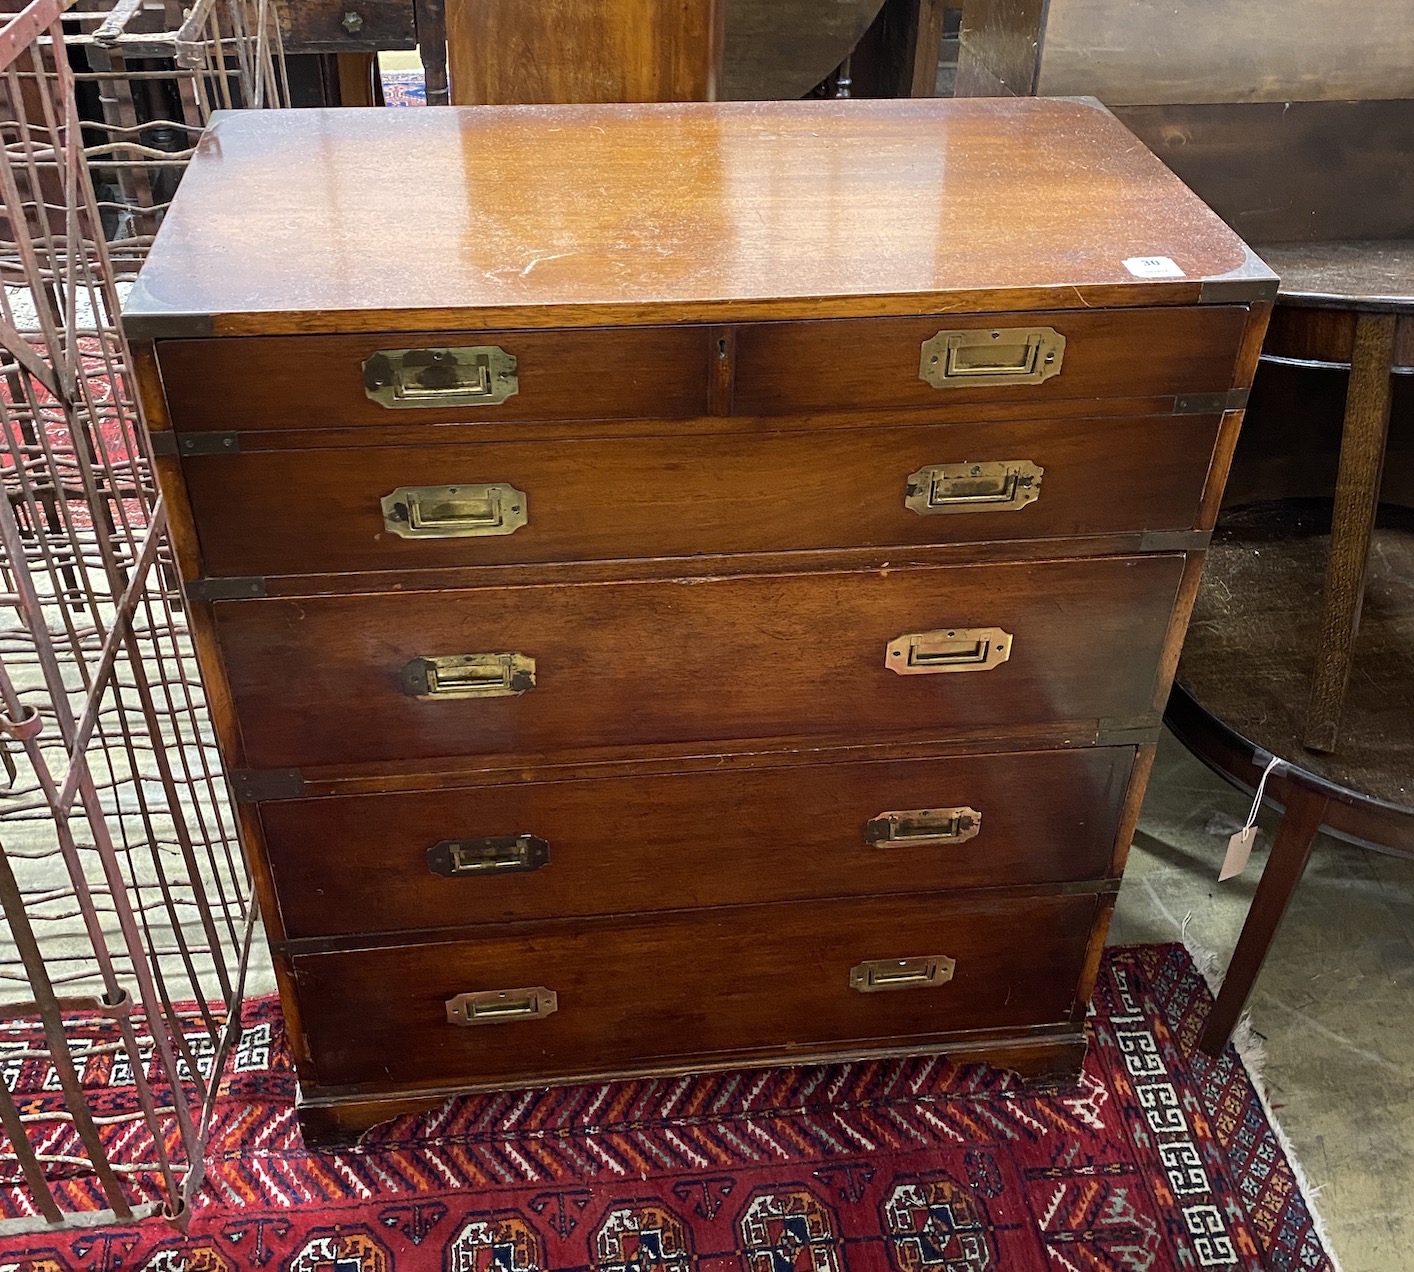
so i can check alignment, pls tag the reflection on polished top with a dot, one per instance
(322, 220)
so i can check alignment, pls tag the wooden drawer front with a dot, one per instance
(283, 382)
(861, 363)
(675, 988)
(322, 679)
(315, 511)
(624, 845)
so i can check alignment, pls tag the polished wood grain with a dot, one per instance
(313, 382)
(670, 989)
(653, 569)
(719, 212)
(318, 510)
(674, 372)
(732, 658)
(717, 314)
(783, 367)
(504, 52)
(643, 843)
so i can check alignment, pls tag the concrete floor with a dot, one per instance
(1334, 1004)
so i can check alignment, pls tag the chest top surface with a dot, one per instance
(536, 216)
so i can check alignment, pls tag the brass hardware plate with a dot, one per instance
(496, 854)
(469, 676)
(924, 826)
(454, 512)
(956, 649)
(1002, 485)
(992, 355)
(881, 974)
(502, 1006)
(477, 375)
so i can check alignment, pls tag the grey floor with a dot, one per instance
(1334, 1005)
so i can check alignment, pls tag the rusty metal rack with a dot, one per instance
(148, 76)
(128, 918)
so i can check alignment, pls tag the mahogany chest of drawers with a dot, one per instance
(686, 586)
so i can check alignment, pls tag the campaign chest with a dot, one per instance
(686, 587)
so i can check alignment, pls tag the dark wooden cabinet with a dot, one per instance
(684, 587)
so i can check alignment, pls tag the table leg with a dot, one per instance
(1357, 493)
(1305, 810)
(431, 20)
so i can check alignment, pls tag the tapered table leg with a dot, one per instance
(1357, 493)
(1305, 811)
(431, 18)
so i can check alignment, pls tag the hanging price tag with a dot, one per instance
(1239, 846)
(1239, 849)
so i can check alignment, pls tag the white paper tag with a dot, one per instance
(1152, 267)
(1239, 850)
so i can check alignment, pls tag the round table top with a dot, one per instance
(1250, 650)
(780, 49)
(1368, 274)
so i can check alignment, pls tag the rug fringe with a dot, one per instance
(1252, 1052)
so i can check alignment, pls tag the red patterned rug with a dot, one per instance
(1160, 1160)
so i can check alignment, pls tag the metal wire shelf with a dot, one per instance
(129, 919)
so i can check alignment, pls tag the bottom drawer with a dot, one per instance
(665, 991)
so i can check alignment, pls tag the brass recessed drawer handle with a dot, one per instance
(880, 974)
(956, 649)
(502, 1006)
(924, 826)
(496, 854)
(478, 375)
(469, 676)
(995, 486)
(992, 355)
(454, 512)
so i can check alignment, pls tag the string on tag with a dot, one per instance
(1239, 846)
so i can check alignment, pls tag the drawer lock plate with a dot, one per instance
(992, 355)
(924, 826)
(1004, 485)
(879, 974)
(502, 1006)
(449, 676)
(956, 649)
(477, 375)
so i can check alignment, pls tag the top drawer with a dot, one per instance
(284, 382)
(297, 382)
(880, 362)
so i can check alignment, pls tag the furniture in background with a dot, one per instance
(504, 52)
(1303, 146)
(657, 604)
(1307, 544)
(619, 49)
(778, 49)
(333, 47)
